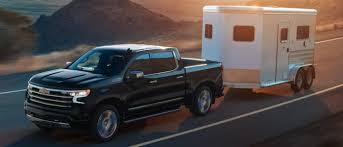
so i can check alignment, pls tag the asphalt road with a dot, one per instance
(240, 118)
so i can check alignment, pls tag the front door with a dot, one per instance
(282, 52)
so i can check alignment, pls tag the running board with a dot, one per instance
(153, 115)
(156, 104)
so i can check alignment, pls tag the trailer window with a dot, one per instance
(208, 31)
(303, 32)
(244, 33)
(284, 34)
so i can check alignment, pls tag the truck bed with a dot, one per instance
(199, 70)
(188, 62)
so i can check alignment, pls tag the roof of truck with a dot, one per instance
(256, 9)
(132, 47)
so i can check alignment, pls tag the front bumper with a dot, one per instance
(54, 118)
(48, 123)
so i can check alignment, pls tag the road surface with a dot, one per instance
(240, 118)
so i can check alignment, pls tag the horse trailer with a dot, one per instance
(261, 46)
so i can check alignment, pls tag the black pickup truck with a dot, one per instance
(112, 85)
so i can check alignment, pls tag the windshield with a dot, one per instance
(106, 62)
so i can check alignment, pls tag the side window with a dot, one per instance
(303, 32)
(163, 61)
(208, 31)
(141, 63)
(284, 34)
(244, 33)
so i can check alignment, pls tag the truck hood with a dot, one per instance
(65, 78)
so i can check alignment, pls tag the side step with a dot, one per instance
(153, 115)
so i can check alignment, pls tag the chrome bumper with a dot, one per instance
(48, 123)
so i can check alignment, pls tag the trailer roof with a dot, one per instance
(256, 9)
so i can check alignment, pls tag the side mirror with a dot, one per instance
(68, 63)
(135, 75)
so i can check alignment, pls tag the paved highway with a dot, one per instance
(240, 118)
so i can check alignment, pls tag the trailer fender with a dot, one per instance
(294, 68)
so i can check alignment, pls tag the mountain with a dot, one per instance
(99, 22)
(33, 8)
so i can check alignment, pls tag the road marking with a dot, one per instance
(14, 91)
(236, 117)
(329, 40)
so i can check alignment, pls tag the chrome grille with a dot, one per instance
(49, 97)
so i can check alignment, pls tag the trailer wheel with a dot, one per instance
(104, 123)
(202, 101)
(310, 73)
(298, 83)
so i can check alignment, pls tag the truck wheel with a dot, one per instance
(202, 101)
(104, 123)
(309, 78)
(298, 83)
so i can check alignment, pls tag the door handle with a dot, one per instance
(179, 77)
(287, 50)
(153, 81)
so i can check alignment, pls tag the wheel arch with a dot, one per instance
(116, 102)
(293, 70)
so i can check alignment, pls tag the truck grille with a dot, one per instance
(49, 97)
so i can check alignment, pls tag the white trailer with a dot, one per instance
(261, 46)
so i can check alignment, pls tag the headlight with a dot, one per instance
(79, 94)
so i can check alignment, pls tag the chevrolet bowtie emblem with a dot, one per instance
(44, 91)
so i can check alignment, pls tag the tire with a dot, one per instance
(202, 101)
(309, 77)
(104, 123)
(298, 83)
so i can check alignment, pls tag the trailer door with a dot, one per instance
(282, 52)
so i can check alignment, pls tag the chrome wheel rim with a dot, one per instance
(107, 124)
(204, 101)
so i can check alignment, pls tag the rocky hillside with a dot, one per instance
(99, 22)
(16, 36)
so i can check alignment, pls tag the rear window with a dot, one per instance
(244, 33)
(162, 62)
(303, 32)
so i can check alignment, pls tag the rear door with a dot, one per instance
(167, 79)
(282, 52)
